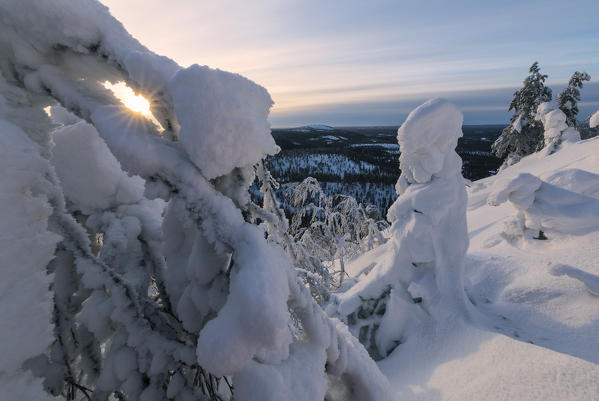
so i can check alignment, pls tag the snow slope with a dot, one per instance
(535, 325)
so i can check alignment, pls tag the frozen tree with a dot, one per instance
(160, 286)
(543, 208)
(421, 282)
(524, 135)
(594, 120)
(308, 265)
(332, 228)
(556, 129)
(567, 100)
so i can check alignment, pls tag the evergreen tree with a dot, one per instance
(567, 101)
(524, 135)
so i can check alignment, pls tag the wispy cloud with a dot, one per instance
(323, 54)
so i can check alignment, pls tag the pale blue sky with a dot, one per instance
(369, 62)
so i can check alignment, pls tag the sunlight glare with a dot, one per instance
(136, 103)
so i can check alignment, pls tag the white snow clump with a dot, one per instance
(556, 129)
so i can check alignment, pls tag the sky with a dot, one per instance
(353, 62)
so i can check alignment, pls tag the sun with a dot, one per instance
(125, 94)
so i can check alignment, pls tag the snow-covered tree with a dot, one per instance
(160, 286)
(310, 266)
(524, 135)
(332, 228)
(594, 120)
(418, 279)
(567, 100)
(556, 129)
(543, 208)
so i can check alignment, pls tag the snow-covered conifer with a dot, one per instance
(524, 135)
(556, 129)
(422, 281)
(331, 228)
(567, 100)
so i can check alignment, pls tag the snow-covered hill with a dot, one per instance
(313, 127)
(533, 332)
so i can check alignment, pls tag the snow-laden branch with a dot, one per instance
(203, 294)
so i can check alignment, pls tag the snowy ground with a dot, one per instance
(533, 335)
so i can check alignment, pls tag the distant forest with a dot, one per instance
(364, 161)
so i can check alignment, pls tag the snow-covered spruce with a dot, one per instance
(125, 322)
(417, 279)
(556, 131)
(524, 135)
(567, 100)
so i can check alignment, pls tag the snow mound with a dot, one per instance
(575, 180)
(591, 281)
